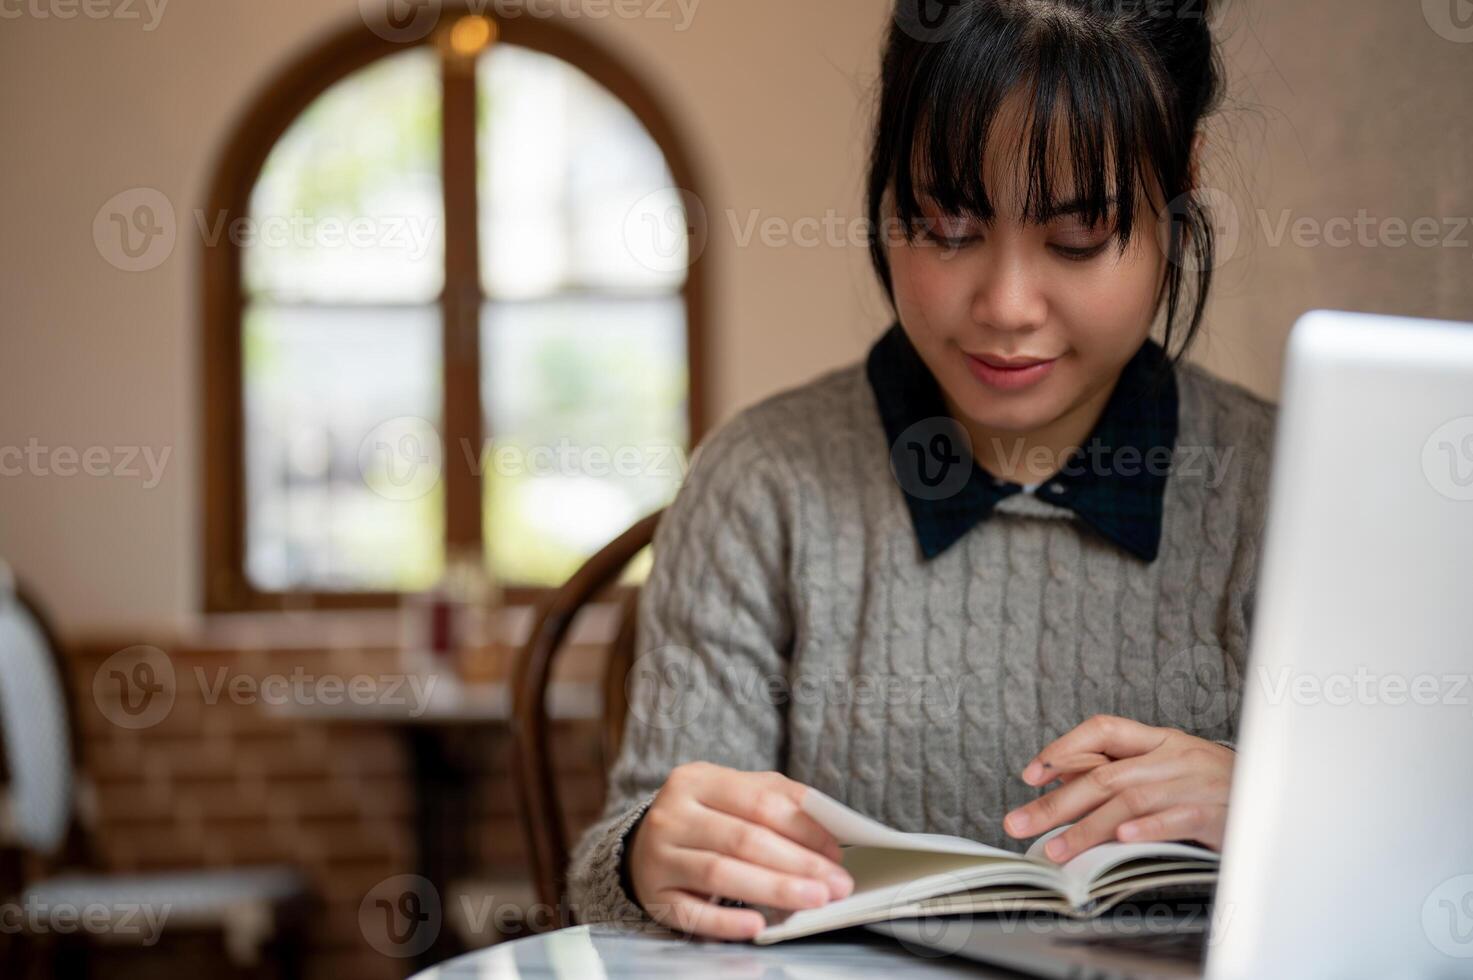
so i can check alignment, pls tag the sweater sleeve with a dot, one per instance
(715, 626)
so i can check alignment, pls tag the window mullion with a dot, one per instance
(461, 340)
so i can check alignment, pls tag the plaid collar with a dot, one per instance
(948, 493)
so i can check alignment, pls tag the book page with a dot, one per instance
(854, 828)
(881, 877)
(1083, 870)
(895, 883)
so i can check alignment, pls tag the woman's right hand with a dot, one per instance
(714, 832)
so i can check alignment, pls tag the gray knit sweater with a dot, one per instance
(790, 621)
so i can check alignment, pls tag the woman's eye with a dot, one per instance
(950, 234)
(1082, 254)
(952, 242)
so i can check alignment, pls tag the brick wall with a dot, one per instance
(223, 780)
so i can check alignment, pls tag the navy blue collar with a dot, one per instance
(1116, 482)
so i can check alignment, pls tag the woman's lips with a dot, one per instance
(1009, 374)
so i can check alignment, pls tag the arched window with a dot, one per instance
(451, 315)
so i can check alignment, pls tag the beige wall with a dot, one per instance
(1338, 107)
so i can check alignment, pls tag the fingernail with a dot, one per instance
(1017, 823)
(1033, 773)
(808, 892)
(1129, 831)
(840, 885)
(1056, 848)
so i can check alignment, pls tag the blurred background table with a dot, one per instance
(445, 739)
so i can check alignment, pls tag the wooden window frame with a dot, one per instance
(226, 587)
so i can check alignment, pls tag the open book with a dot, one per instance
(900, 876)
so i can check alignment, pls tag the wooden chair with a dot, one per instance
(542, 812)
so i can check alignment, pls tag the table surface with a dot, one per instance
(617, 953)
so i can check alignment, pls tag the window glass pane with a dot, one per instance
(348, 207)
(586, 406)
(343, 463)
(569, 180)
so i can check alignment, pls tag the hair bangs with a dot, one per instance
(1083, 123)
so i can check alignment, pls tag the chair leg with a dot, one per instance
(67, 959)
(287, 952)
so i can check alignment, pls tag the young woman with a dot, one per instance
(1013, 547)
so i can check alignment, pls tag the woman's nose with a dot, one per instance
(1008, 296)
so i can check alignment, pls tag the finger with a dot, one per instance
(776, 805)
(1065, 778)
(1074, 765)
(1108, 735)
(1204, 822)
(1135, 801)
(712, 873)
(757, 844)
(1081, 795)
(690, 913)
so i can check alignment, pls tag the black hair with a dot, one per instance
(1132, 79)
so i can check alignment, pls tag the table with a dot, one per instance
(444, 742)
(616, 952)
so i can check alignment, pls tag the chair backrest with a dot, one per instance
(542, 811)
(38, 737)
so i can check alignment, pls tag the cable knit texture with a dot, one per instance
(790, 622)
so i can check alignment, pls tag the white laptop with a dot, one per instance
(1349, 849)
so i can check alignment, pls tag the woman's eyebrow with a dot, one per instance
(1073, 206)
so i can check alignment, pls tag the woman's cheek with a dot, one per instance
(1109, 314)
(930, 292)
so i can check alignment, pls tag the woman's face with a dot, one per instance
(1025, 326)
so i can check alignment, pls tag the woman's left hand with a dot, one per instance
(1126, 781)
